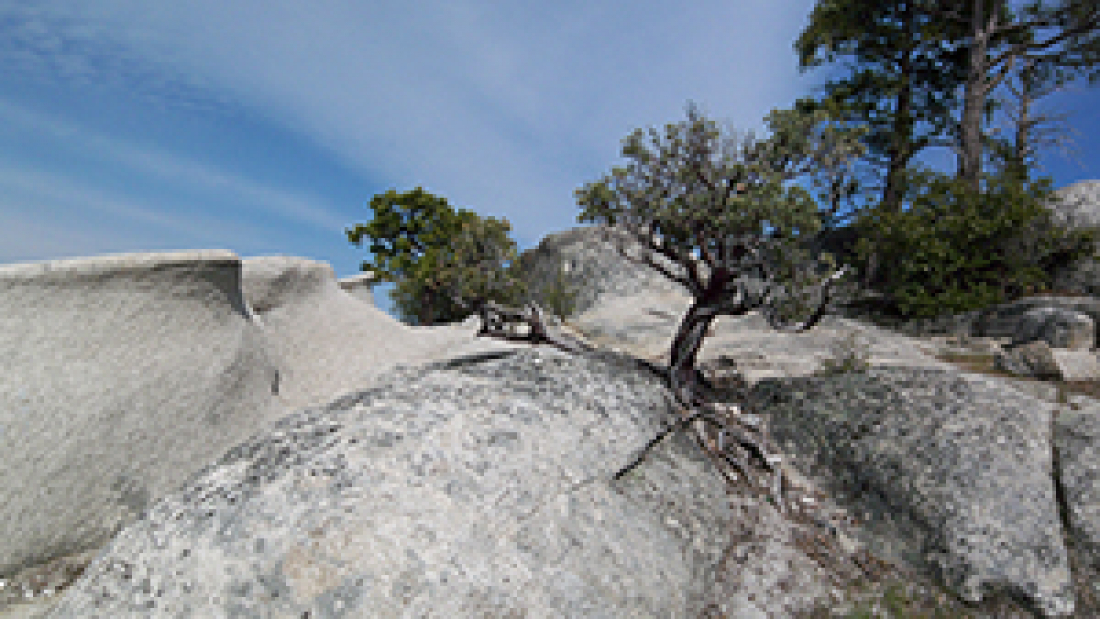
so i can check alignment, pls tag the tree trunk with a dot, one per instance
(426, 308)
(687, 382)
(970, 157)
(901, 145)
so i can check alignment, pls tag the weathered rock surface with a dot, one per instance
(1077, 451)
(1078, 206)
(1037, 359)
(1058, 327)
(122, 376)
(327, 342)
(1004, 320)
(360, 286)
(269, 496)
(592, 268)
(645, 325)
(476, 488)
(952, 472)
(1032, 359)
(126, 374)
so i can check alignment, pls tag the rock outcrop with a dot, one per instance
(951, 472)
(326, 341)
(1058, 327)
(1076, 455)
(479, 487)
(1078, 206)
(591, 267)
(360, 286)
(479, 477)
(122, 376)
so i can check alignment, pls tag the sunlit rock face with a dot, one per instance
(590, 266)
(122, 376)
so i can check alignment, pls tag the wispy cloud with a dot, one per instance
(40, 187)
(505, 109)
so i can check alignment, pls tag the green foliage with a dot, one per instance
(693, 192)
(560, 298)
(438, 257)
(478, 265)
(850, 355)
(899, 80)
(957, 250)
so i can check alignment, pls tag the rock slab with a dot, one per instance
(476, 487)
(952, 476)
(327, 342)
(591, 267)
(360, 286)
(120, 376)
(1077, 448)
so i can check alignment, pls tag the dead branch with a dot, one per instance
(743, 442)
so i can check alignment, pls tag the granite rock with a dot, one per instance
(591, 267)
(122, 376)
(477, 487)
(360, 286)
(1077, 451)
(1058, 327)
(1078, 206)
(951, 472)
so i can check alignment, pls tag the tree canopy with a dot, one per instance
(927, 73)
(723, 215)
(437, 256)
(901, 79)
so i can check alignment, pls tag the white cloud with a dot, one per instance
(141, 161)
(503, 108)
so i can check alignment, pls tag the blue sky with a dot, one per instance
(265, 126)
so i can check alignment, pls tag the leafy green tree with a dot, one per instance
(899, 81)
(413, 242)
(958, 250)
(730, 222)
(477, 266)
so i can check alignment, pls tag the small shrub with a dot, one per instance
(850, 355)
(957, 250)
(561, 299)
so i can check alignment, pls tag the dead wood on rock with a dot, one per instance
(742, 440)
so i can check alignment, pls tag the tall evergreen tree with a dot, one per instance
(901, 80)
(1056, 42)
(900, 83)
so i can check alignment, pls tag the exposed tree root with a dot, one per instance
(742, 442)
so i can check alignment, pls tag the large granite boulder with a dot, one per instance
(1078, 206)
(360, 286)
(952, 473)
(478, 487)
(590, 266)
(1058, 327)
(1006, 319)
(326, 341)
(122, 376)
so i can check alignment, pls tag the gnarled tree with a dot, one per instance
(725, 217)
